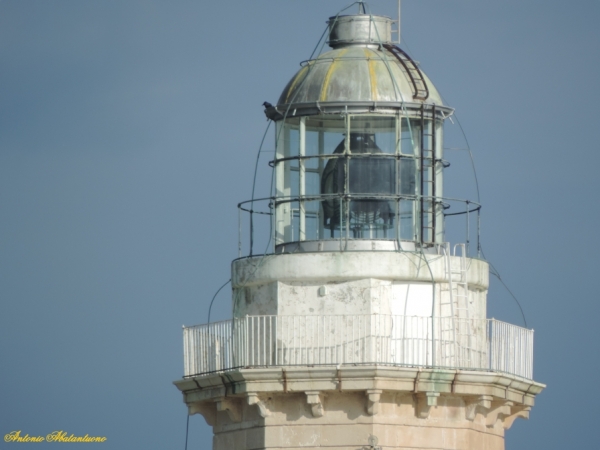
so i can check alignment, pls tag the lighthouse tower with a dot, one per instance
(362, 328)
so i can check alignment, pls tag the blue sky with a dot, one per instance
(128, 134)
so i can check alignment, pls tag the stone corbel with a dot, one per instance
(483, 402)
(498, 411)
(516, 412)
(206, 409)
(373, 397)
(314, 400)
(425, 400)
(233, 408)
(253, 399)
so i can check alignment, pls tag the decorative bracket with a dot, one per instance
(314, 400)
(206, 409)
(233, 408)
(483, 402)
(425, 400)
(516, 412)
(498, 411)
(373, 397)
(253, 399)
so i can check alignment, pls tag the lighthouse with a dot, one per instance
(361, 327)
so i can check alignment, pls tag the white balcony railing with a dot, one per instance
(262, 341)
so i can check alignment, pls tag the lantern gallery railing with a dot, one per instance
(263, 341)
(352, 217)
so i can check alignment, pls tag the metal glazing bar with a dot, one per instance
(321, 167)
(422, 176)
(302, 178)
(341, 209)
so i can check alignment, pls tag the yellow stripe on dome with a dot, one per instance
(291, 89)
(325, 86)
(372, 74)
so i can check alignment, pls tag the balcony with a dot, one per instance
(402, 341)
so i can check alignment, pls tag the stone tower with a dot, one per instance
(363, 328)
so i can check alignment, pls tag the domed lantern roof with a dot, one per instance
(363, 72)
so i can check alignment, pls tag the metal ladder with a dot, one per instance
(456, 330)
(447, 315)
(463, 309)
(462, 287)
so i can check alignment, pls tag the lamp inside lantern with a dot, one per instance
(367, 176)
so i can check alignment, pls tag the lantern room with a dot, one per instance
(359, 147)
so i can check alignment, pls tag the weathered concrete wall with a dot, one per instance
(356, 283)
(342, 266)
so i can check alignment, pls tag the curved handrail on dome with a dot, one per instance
(421, 91)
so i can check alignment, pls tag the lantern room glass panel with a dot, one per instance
(302, 144)
(362, 176)
(380, 130)
(410, 136)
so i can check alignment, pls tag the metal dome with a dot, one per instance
(363, 72)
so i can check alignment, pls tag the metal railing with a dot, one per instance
(451, 343)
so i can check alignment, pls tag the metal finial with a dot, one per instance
(399, 19)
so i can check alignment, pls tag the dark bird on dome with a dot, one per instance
(267, 105)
